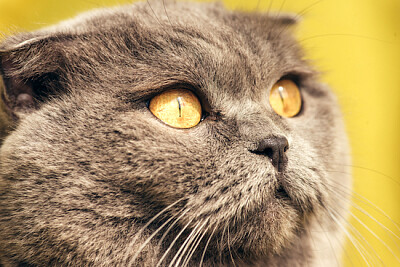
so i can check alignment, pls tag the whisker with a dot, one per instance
(376, 208)
(270, 6)
(207, 243)
(158, 20)
(362, 238)
(169, 21)
(258, 4)
(193, 249)
(375, 235)
(367, 202)
(355, 243)
(329, 240)
(307, 263)
(305, 10)
(371, 170)
(341, 35)
(298, 15)
(313, 243)
(148, 240)
(139, 233)
(229, 248)
(152, 10)
(195, 245)
(221, 246)
(172, 243)
(356, 232)
(171, 226)
(281, 7)
(166, 13)
(275, 22)
(389, 232)
(189, 244)
(184, 245)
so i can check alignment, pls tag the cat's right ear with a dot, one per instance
(30, 72)
(285, 19)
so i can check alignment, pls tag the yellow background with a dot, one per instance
(356, 44)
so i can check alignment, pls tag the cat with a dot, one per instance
(92, 174)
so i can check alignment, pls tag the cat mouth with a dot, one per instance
(281, 193)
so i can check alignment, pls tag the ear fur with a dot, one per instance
(30, 73)
(285, 19)
(5, 118)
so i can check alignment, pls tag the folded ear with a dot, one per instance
(30, 72)
(285, 19)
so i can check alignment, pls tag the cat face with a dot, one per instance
(94, 177)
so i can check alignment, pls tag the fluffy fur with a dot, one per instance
(89, 177)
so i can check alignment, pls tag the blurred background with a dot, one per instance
(356, 45)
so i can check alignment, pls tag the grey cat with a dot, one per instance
(90, 176)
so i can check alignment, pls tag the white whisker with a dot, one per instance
(362, 238)
(200, 233)
(354, 242)
(229, 248)
(390, 233)
(188, 245)
(208, 241)
(357, 233)
(184, 245)
(139, 233)
(327, 237)
(171, 226)
(367, 202)
(148, 240)
(376, 208)
(193, 249)
(172, 243)
(387, 230)
(221, 244)
(375, 235)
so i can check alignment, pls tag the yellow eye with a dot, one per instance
(178, 108)
(285, 98)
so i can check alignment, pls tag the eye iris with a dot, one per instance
(178, 108)
(285, 98)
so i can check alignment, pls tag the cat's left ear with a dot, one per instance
(30, 71)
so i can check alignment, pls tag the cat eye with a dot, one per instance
(285, 98)
(178, 108)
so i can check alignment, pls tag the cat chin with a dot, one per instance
(265, 224)
(262, 233)
(272, 229)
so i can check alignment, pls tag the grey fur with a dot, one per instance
(85, 165)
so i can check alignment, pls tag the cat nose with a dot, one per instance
(275, 148)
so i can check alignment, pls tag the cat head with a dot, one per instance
(89, 172)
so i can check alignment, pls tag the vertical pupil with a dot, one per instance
(179, 104)
(280, 91)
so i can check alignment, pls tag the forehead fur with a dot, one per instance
(180, 42)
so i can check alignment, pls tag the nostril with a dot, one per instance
(275, 148)
(269, 152)
(286, 147)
